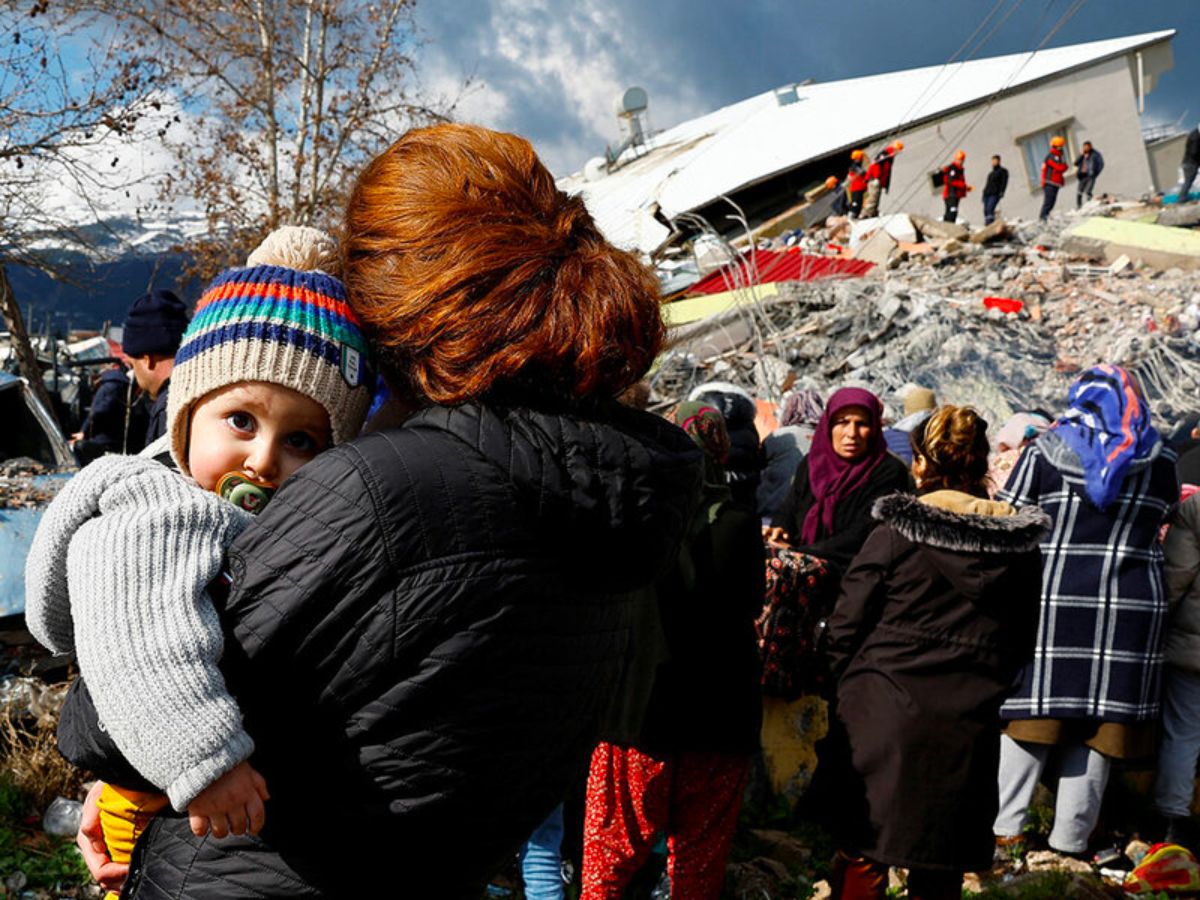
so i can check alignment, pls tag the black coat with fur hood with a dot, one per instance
(936, 616)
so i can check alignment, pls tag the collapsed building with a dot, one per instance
(765, 152)
(770, 293)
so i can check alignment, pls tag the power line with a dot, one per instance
(970, 125)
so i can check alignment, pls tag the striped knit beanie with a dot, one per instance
(283, 320)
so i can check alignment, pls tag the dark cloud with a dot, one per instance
(550, 69)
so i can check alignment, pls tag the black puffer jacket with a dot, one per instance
(424, 632)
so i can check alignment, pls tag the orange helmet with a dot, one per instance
(960, 155)
(831, 182)
(856, 155)
(1057, 141)
(898, 146)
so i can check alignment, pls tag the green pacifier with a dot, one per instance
(244, 493)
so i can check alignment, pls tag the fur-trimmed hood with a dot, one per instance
(1000, 529)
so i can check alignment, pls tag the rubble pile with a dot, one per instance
(1002, 321)
(22, 485)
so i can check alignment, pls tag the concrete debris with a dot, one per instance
(1180, 215)
(935, 228)
(925, 317)
(989, 233)
(1159, 246)
(877, 248)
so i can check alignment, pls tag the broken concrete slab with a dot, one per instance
(1185, 215)
(992, 232)
(1089, 249)
(877, 248)
(1120, 264)
(899, 226)
(1159, 246)
(935, 228)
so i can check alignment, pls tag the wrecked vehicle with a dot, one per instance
(35, 461)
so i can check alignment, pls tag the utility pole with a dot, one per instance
(26, 358)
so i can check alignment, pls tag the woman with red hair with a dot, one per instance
(427, 625)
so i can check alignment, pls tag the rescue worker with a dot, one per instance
(886, 159)
(856, 182)
(879, 177)
(954, 185)
(840, 204)
(1054, 168)
(1087, 167)
(997, 184)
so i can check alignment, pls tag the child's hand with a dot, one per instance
(233, 804)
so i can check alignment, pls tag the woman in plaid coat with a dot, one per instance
(1107, 480)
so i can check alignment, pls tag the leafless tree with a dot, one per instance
(54, 117)
(289, 97)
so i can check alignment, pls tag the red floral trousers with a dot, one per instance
(632, 796)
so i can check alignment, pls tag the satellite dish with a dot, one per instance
(631, 102)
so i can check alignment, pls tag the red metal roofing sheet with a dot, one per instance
(779, 265)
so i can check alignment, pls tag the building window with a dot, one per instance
(1034, 148)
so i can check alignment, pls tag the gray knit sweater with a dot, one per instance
(117, 572)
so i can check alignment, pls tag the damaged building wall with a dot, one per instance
(1166, 157)
(1099, 103)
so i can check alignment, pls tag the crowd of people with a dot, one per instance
(404, 558)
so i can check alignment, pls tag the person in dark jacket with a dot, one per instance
(685, 773)
(997, 184)
(935, 619)
(954, 185)
(785, 447)
(919, 404)
(1091, 692)
(116, 421)
(744, 466)
(1054, 168)
(1191, 163)
(828, 512)
(151, 335)
(425, 626)
(1088, 166)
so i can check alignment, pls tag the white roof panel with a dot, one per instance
(695, 162)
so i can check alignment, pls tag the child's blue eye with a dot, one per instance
(240, 421)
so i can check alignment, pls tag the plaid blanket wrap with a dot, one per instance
(1099, 650)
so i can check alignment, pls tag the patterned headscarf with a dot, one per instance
(1107, 425)
(706, 426)
(831, 477)
(803, 407)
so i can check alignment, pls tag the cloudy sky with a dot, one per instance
(551, 69)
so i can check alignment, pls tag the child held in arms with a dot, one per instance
(271, 372)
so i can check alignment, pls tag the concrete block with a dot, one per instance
(877, 248)
(1157, 246)
(992, 232)
(1185, 215)
(935, 228)
(1083, 248)
(899, 226)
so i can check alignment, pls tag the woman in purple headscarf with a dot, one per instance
(828, 511)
